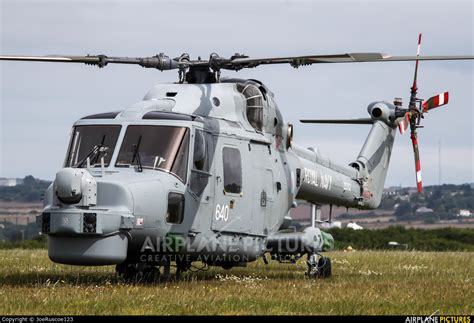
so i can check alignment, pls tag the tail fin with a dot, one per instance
(374, 157)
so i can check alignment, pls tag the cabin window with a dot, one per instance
(175, 211)
(232, 170)
(93, 142)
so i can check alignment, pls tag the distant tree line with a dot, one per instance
(32, 190)
(445, 239)
(445, 201)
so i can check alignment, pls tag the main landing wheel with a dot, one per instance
(318, 268)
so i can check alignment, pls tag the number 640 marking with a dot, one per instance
(222, 212)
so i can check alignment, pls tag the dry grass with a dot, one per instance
(363, 283)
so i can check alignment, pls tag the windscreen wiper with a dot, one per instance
(136, 154)
(93, 152)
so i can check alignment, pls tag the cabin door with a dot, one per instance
(232, 211)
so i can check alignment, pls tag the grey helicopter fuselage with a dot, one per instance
(208, 171)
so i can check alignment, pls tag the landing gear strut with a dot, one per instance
(318, 268)
(143, 272)
(181, 267)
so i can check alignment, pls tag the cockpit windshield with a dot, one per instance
(156, 147)
(93, 143)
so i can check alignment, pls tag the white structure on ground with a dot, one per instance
(464, 213)
(354, 226)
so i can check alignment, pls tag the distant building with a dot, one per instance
(464, 213)
(423, 209)
(392, 191)
(354, 226)
(10, 182)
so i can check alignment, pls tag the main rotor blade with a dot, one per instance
(160, 62)
(414, 141)
(297, 61)
(435, 101)
(339, 121)
(163, 62)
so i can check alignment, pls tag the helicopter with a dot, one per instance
(206, 169)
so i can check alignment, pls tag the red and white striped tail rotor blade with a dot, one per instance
(435, 101)
(414, 87)
(419, 183)
(414, 141)
(403, 124)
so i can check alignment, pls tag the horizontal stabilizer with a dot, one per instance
(339, 121)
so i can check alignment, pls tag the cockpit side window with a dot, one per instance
(180, 164)
(201, 161)
(199, 156)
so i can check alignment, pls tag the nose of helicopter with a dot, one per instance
(83, 230)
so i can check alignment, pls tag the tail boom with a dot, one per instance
(321, 181)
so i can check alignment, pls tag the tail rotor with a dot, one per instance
(412, 116)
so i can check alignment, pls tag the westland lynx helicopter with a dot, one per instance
(205, 169)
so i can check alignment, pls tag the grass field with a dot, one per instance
(363, 282)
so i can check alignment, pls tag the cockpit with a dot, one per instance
(153, 147)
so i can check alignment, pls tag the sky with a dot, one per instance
(39, 102)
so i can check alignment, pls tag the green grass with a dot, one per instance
(363, 282)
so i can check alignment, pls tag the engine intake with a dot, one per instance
(382, 111)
